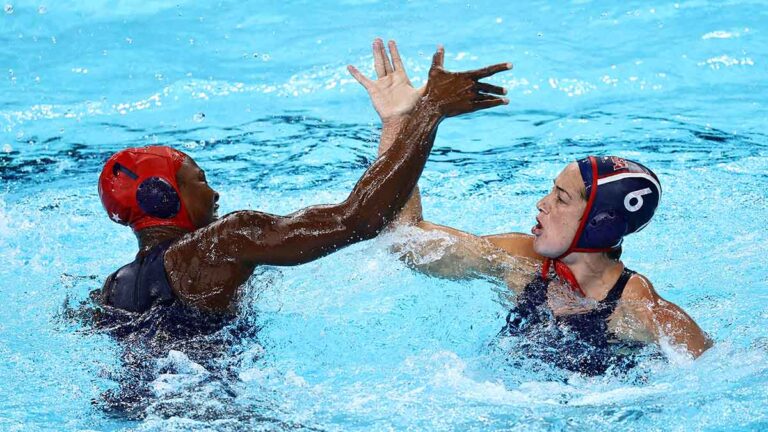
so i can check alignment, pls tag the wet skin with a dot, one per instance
(207, 266)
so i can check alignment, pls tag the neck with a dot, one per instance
(151, 237)
(595, 272)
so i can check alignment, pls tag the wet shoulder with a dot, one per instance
(639, 288)
(632, 318)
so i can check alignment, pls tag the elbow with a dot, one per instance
(368, 228)
(704, 346)
(363, 224)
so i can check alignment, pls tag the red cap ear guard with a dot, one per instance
(138, 188)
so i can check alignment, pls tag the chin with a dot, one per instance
(547, 251)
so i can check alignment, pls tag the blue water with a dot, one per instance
(258, 94)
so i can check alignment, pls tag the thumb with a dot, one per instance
(357, 75)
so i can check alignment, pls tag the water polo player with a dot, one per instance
(186, 254)
(569, 272)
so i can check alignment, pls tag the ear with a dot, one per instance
(157, 198)
(605, 229)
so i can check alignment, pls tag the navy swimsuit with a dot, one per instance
(578, 342)
(140, 310)
(137, 286)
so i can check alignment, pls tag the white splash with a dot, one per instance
(726, 61)
(185, 373)
(720, 34)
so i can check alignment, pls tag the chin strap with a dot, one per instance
(563, 273)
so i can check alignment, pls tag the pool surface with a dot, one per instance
(259, 95)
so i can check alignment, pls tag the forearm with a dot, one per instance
(389, 132)
(387, 184)
(449, 253)
(411, 212)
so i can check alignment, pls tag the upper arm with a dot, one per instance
(662, 319)
(260, 238)
(515, 244)
(207, 266)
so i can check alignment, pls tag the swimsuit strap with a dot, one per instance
(618, 289)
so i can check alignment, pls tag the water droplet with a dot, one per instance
(197, 118)
(8, 9)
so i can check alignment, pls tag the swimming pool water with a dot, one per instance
(258, 94)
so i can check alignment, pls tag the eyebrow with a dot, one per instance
(561, 189)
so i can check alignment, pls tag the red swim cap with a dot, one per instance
(138, 188)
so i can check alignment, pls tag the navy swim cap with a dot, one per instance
(622, 196)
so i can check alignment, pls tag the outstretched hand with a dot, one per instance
(455, 93)
(391, 93)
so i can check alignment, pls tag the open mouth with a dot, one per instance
(536, 230)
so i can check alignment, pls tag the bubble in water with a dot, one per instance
(42, 10)
(8, 8)
(7, 148)
(197, 118)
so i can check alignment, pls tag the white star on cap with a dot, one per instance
(116, 218)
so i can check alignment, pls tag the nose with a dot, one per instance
(542, 205)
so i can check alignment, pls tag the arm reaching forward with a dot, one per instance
(461, 254)
(206, 267)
